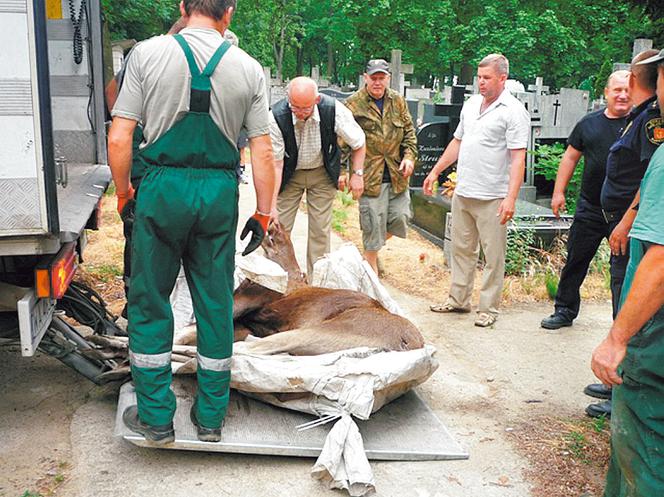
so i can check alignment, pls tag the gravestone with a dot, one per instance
(446, 94)
(429, 212)
(412, 108)
(641, 44)
(268, 86)
(559, 113)
(432, 138)
(278, 92)
(336, 93)
(429, 113)
(418, 93)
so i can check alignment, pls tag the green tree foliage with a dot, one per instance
(565, 41)
(139, 19)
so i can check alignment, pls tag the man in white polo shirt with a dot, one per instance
(489, 147)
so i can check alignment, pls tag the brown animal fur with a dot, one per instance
(312, 320)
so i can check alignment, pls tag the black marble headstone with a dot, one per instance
(412, 108)
(339, 95)
(432, 138)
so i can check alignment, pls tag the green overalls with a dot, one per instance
(637, 412)
(187, 211)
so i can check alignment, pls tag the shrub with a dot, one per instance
(547, 160)
(520, 250)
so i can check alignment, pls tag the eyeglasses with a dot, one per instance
(295, 108)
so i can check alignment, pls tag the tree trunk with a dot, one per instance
(299, 65)
(330, 61)
(467, 74)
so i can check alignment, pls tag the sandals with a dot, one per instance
(484, 320)
(447, 307)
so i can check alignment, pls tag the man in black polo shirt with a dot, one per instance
(592, 137)
(625, 167)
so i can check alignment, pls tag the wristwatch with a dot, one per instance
(359, 172)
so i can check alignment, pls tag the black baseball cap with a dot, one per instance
(377, 65)
(655, 58)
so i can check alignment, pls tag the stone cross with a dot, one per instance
(395, 69)
(399, 71)
(538, 87)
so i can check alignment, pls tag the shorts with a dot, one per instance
(386, 213)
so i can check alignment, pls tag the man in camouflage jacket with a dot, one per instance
(390, 159)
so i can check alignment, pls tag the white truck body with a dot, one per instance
(53, 158)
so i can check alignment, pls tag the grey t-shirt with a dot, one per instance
(157, 82)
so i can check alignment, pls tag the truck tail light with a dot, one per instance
(53, 276)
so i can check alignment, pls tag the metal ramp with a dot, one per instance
(404, 430)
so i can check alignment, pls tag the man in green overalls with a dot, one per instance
(631, 358)
(193, 92)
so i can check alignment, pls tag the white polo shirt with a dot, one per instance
(483, 166)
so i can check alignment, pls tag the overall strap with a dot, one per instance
(199, 99)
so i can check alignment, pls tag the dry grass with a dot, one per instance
(417, 266)
(567, 457)
(103, 257)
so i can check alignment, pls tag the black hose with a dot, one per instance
(86, 306)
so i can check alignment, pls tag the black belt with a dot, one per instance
(611, 216)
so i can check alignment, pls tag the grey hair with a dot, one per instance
(498, 61)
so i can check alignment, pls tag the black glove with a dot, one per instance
(128, 215)
(257, 224)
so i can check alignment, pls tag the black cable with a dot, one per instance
(77, 22)
(87, 307)
(91, 85)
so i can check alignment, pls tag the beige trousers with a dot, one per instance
(475, 222)
(320, 196)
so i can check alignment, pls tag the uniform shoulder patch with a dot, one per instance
(655, 130)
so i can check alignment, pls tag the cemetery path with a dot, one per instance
(57, 427)
(496, 387)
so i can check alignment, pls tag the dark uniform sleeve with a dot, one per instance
(576, 136)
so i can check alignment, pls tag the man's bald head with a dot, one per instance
(303, 97)
(617, 77)
(645, 75)
(616, 92)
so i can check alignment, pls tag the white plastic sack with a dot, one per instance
(355, 382)
(253, 266)
(345, 268)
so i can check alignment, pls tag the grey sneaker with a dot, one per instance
(204, 434)
(160, 435)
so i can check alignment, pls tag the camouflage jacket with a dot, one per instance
(390, 138)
